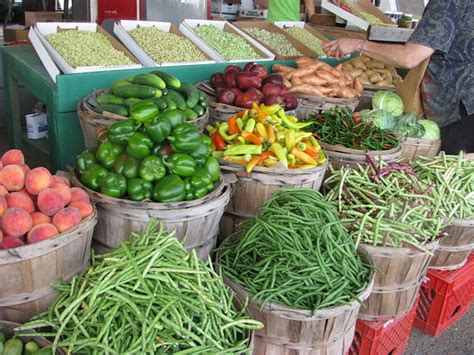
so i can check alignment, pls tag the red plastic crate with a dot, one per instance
(444, 298)
(388, 337)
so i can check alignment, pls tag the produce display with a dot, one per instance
(316, 78)
(35, 205)
(306, 38)
(452, 177)
(166, 47)
(274, 41)
(85, 48)
(265, 136)
(157, 157)
(242, 87)
(148, 296)
(372, 72)
(15, 346)
(386, 204)
(230, 46)
(144, 96)
(296, 252)
(338, 126)
(373, 20)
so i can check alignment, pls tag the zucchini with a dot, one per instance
(170, 103)
(191, 93)
(13, 347)
(149, 80)
(199, 110)
(115, 109)
(121, 82)
(171, 81)
(178, 99)
(190, 114)
(135, 90)
(110, 99)
(131, 100)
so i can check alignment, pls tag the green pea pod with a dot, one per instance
(127, 166)
(143, 110)
(107, 153)
(139, 145)
(213, 168)
(92, 176)
(174, 117)
(139, 189)
(185, 138)
(152, 169)
(158, 129)
(84, 161)
(169, 189)
(181, 164)
(119, 132)
(113, 185)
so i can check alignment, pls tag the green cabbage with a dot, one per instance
(388, 101)
(431, 130)
(381, 118)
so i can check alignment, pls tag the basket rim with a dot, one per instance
(339, 148)
(236, 167)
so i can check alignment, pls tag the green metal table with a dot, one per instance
(22, 66)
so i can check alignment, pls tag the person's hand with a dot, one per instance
(341, 47)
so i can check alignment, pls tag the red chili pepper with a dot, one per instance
(265, 155)
(233, 127)
(218, 142)
(316, 136)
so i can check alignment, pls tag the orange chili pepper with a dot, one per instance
(271, 134)
(311, 152)
(252, 163)
(265, 155)
(305, 158)
(255, 107)
(251, 137)
(240, 114)
(235, 160)
(295, 166)
(233, 127)
(261, 117)
(218, 142)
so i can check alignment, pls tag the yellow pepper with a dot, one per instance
(261, 131)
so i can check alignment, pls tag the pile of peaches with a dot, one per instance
(35, 205)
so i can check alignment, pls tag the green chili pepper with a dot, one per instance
(185, 138)
(290, 124)
(152, 169)
(143, 110)
(113, 185)
(181, 164)
(93, 175)
(223, 128)
(242, 149)
(119, 132)
(250, 125)
(84, 161)
(107, 153)
(169, 189)
(139, 145)
(280, 153)
(127, 166)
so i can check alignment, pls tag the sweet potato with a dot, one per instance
(324, 89)
(330, 79)
(287, 83)
(305, 71)
(305, 89)
(313, 80)
(281, 68)
(296, 81)
(304, 61)
(347, 93)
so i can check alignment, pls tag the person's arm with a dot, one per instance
(262, 3)
(309, 6)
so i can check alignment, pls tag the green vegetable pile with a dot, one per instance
(296, 252)
(386, 204)
(306, 38)
(338, 126)
(228, 45)
(275, 41)
(166, 47)
(453, 179)
(15, 346)
(85, 48)
(148, 296)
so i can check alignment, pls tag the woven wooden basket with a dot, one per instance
(412, 148)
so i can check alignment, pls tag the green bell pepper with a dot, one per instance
(158, 129)
(143, 110)
(169, 189)
(213, 168)
(107, 153)
(161, 150)
(152, 169)
(139, 189)
(185, 138)
(113, 185)
(93, 175)
(174, 117)
(119, 132)
(139, 145)
(181, 164)
(198, 185)
(84, 161)
(127, 166)
(202, 152)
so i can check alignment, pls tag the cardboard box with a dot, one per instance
(323, 19)
(307, 27)
(16, 33)
(253, 13)
(122, 27)
(33, 17)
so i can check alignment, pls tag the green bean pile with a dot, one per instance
(296, 252)
(148, 296)
(275, 41)
(385, 204)
(453, 176)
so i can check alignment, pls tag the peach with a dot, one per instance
(67, 218)
(13, 156)
(3, 205)
(11, 242)
(1, 165)
(85, 208)
(37, 180)
(64, 191)
(16, 222)
(61, 180)
(12, 177)
(1, 235)
(26, 168)
(39, 218)
(3, 190)
(78, 194)
(50, 201)
(41, 232)
(20, 200)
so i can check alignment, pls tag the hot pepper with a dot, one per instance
(290, 139)
(218, 142)
(305, 158)
(152, 169)
(243, 149)
(139, 145)
(139, 189)
(107, 153)
(84, 161)
(290, 124)
(113, 185)
(271, 134)
(158, 129)
(240, 123)
(181, 164)
(270, 110)
(143, 110)
(262, 131)
(93, 175)
(119, 132)
(169, 189)
(213, 168)
(250, 125)
(185, 138)
(223, 128)
(280, 153)
(252, 138)
(233, 126)
(127, 166)
(252, 163)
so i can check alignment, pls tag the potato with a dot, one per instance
(385, 83)
(348, 66)
(359, 64)
(375, 78)
(356, 72)
(375, 65)
(366, 59)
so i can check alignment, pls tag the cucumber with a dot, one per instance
(160, 103)
(190, 114)
(164, 92)
(121, 82)
(171, 81)
(170, 103)
(191, 93)
(1, 348)
(135, 90)
(131, 100)
(202, 96)
(44, 351)
(110, 100)
(150, 80)
(178, 99)
(158, 93)
(13, 347)
(116, 109)
(203, 104)
(31, 348)
(2, 338)
(199, 110)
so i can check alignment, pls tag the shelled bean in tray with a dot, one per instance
(386, 204)
(307, 39)
(297, 253)
(275, 41)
